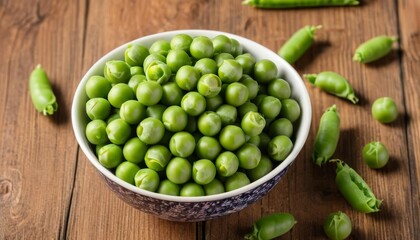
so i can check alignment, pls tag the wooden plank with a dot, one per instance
(37, 153)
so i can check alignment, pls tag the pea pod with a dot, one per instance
(272, 226)
(298, 3)
(298, 44)
(374, 49)
(333, 83)
(41, 92)
(327, 136)
(355, 190)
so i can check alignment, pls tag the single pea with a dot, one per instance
(176, 59)
(281, 126)
(137, 70)
(265, 70)
(179, 170)
(157, 157)
(132, 111)
(337, 226)
(206, 65)
(256, 140)
(172, 94)
(227, 113)
(236, 94)
(290, 109)
(237, 48)
(134, 150)
(151, 58)
(134, 81)
(279, 88)
(193, 103)
(147, 179)
(182, 144)
(117, 71)
(96, 132)
(209, 123)
(98, 108)
(384, 110)
(253, 123)
(126, 171)
(222, 44)
(160, 46)
(246, 107)
(227, 163)
(230, 71)
(247, 62)
(97, 86)
(149, 93)
(237, 180)
(150, 130)
(279, 147)
(209, 85)
(158, 71)
(374, 49)
(113, 116)
(263, 168)
(118, 131)
(169, 188)
(191, 124)
(375, 154)
(272, 226)
(213, 103)
(201, 47)
(220, 57)
(203, 171)
(214, 187)
(135, 54)
(208, 148)
(187, 77)
(110, 155)
(181, 41)
(270, 107)
(155, 111)
(232, 137)
(192, 190)
(174, 118)
(251, 84)
(120, 93)
(249, 156)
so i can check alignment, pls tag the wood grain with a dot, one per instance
(49, 190)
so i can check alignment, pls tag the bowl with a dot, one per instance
(188, 209)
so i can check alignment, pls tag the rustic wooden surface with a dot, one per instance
(49, 190)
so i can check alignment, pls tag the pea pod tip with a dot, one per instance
(310, 77)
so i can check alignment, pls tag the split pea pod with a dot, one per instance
(298, 44)
(326, 139)
(41, 92)
(355, 190)
(374, 49)
(333, 83)
(298, 3)
(272, 226)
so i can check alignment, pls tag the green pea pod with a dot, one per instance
(41, 92)
(272, 226)
(333, 83)
(355, 190)
(298, 3)
(298, 44)
(327, 136)
(374, 49)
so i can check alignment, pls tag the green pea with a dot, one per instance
(327, 136)
(209, 85)
(134, 81)
(214, 187)
(298, 4)
(251, 84)
(281, 126)
(150, 130)
(253, 123)
(279, 147)
(132, 111)
(375, 154)
(232, 137)
(117, 71)
(279, 88)
(227, 163)
(96, 132)
(272, 226)
(182, 144)
(169, 188)
(155, 111)
(175, 119)
(157, 157)
(187, 77)
(126, 171)
(119, 94)
(256, 140)
(249, 156)
(135, 54)
(110, 155)
(134, 150)
(228, 114)
(179, 170)
(97, 86)
(265, 70)
(237, 180)
(176, 59)
(298, 44)
(181, 41)
(237, 48)
(222, 44)
(264, 140)
(151, 58)
(192, 190)
(149, 93)
(270, 107)
(203, 171)
(113, 116)
(160, 46)
(337, 226)
(230, 71)
(245, 108)
(208, 147)
(247, 62)
(384, 110)
(206, 65)
(220, 57)
(263, 168)
(193, 103)
(137, 70)
(374, 49)
(333, 83)
(290, 109)
(147, 179)
(172, 94)
(209, 123)
(201, 47)
(118, 131)
(213, 103)
(158, 71)
(236, 94)
(98, 108)
(355, 190)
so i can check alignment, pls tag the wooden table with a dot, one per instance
(49, 190)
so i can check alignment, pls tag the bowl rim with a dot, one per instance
(304, 125)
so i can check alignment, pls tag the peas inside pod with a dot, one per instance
(190, 116)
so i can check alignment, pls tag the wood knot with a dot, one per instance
(5, 190)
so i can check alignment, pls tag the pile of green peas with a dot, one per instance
(190, 116)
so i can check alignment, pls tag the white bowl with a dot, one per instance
(178, 208)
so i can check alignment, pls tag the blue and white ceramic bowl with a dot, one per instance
(194, 208)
